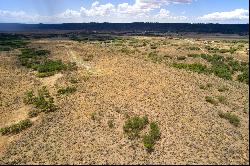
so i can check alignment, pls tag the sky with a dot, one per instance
(165, 11)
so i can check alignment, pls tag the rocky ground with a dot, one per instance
(113, 86)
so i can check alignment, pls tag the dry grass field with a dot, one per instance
(195, 91)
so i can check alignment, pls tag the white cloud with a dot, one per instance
(144, 6)
(237, 14)
(18, 14)
(69, 14)
(140, 10)
(164, 15)
(98, 10)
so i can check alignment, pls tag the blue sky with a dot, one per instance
(58, 11)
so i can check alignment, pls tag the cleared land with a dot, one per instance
(97, 86)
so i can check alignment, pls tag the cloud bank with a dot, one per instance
(237, 14)
(140, 10)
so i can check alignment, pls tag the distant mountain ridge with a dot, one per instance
(242, 29)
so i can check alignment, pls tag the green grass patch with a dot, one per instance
(16, 128)
(222, 71)
(49, 66)
(38, 60)
(244, 77)
(232, 118)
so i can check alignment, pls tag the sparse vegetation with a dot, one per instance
(44, 102)
(232, 118)
(16, 128)
(196, 67)
(244, 77)
(66, 90)
(221, 67)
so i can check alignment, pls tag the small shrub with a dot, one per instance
(66, 90)
(150, 139)
(153, 47)
(205, 87)
(71, 66)
(94, 116)
(111, 123)
(181, 58)
(193, 48)
(51, 66)
(33, 113)
(222, 99)
(211, 100)
(88, 57)
(244, 77)
(47, 74)
(194, 55)
(223, 89)
(148, 142)
(232, 118)
(29, 97)
(155, 58)
(134, 125)
(209, 85)
(73, 81)
(16, 128)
